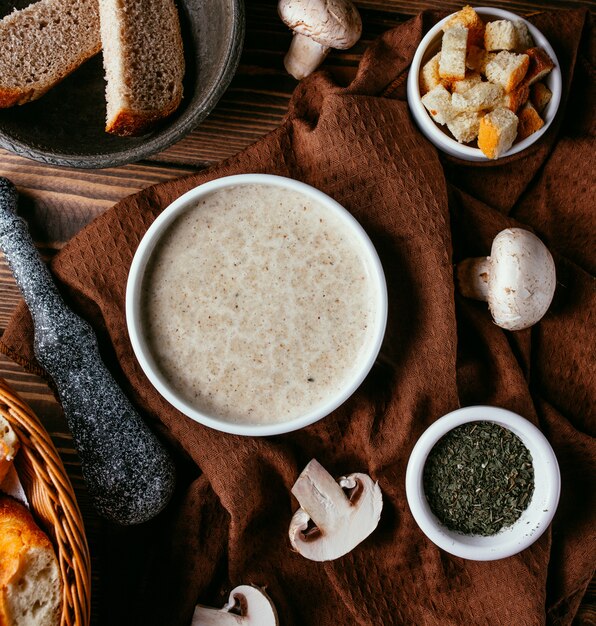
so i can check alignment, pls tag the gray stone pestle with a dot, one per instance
(128, 473)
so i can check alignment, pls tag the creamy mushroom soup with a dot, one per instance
(258, 304)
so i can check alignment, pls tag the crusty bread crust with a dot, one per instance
(20, 538)
(540, 64)
(517, 75)
(10, 97)
(541, 96)
(516, 98)
(529, 121)
(132, 123)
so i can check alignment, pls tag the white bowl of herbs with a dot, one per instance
(483, 483)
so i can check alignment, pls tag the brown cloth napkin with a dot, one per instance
(229, 520)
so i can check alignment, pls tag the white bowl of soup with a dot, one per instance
(256, 304)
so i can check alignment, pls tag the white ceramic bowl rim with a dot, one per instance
(440, 138)
(134, 287)
(532, 522)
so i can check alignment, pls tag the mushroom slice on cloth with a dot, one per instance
(254, 605)
(318, 26)
(517, 280)
(340, 521)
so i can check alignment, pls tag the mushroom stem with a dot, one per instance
(472, 277)
(204, 616)
(304, 56)
(321, 496)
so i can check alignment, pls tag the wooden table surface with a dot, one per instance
(58, 202)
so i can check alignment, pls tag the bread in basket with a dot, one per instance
(52, 503)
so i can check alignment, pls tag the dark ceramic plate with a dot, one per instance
(66, 126)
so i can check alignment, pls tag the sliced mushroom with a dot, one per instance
(517, 280)
(254, 605)
(318, 25)
(341, 521)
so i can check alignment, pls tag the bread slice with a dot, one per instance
(497, 132)
(9, 444)
(540, 95)
(529, 121)
(507, 69)
(464, 126)
(452, 65)
(539, 66)
(30, 583)
(480, 97)
(500, 35)
(429, 76)
(438, 104)
(144, 62)
(44, 43)
(468, 18)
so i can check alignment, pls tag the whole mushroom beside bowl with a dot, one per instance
(517, 280)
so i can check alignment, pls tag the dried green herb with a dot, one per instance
(479, 478)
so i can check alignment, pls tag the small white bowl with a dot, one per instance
(439, 135)
(532, 522)
(134, 317)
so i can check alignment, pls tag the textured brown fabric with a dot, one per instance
(228, 523)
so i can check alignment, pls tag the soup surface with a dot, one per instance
(258, 304)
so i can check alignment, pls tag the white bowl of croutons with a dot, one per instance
(484, 84)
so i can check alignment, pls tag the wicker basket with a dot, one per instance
(53, 503)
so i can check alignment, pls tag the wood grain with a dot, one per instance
(57, 202)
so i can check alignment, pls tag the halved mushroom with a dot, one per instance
(517, 280)
(340, 521)
(318, 25)
(254, 605)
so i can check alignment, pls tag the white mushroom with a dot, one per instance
(517, 280)
(318, 25)
(341, 522)
(254, 605)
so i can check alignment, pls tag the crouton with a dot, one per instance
(522, 34)
(477, 59)
(429, 76)
(529, 121)
(507, 69)
(540, 65)
(464, 126)
(519, 96)
(540, 95)
(461, 86)
(497, 132)
(480, 97)
(452, 65)
(500, 35)
(468, 18)
(438, 104)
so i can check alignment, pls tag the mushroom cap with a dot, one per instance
(341, 522)
(522, 279)
(256, 608)
(331, 23)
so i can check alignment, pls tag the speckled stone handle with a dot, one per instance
(128, 473)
